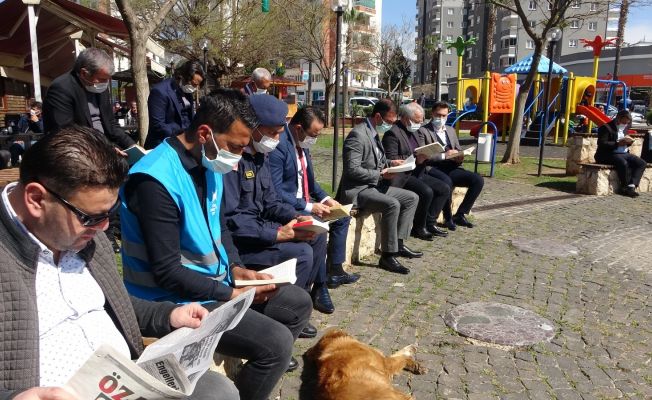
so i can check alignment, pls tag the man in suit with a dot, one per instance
(613, 148)
(260, 82)
(366, 183)
(399, 143)
(447, 166)
(172, 103)
(82, 97)
(294, 180)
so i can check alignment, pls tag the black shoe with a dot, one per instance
(461, 220)
(294, 364)
(422, 234)
(308, 332)
(404, 251)
(391, 264)
(335, 281)
(450, 225)
(629, 191)
(436, 231)
(321, 299)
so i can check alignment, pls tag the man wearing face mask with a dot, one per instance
(292, 175)
(261, 224)
(176, 246)
(366, 183)
(447, 167)
(613, 149)
(399, 143)
(172, 103)
(82, 97)
(260, 82)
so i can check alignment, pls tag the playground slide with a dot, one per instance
(497, 119)
(593, 113)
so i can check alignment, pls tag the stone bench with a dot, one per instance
(364, 232)
(602, 179)
(582, 148)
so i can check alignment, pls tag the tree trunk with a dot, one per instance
(513, 145)
(489, 34)
(620, 36)
(327, 102)
(139, 68)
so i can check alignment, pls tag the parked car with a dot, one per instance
(362, 101)
(638, 118)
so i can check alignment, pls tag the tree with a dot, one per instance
(488, 42)
(141, 18)
(390, 58)
(395, 70)
(554, 17)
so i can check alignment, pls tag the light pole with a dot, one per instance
(339, 11)
(553, 36)
(36, 73)
(205, 50)
(438, 84)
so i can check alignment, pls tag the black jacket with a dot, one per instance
(396, 142)
(607, 140)
(66, 104)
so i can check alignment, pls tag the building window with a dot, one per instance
(477, 19)
(449, 51)
(572, 43)
(532, 5)
(529, 44)
(576, 4)
(594, 7)
(448, 76)
(449, 63)
(549, 5)
(470, 53)
(575, 24)
(593, 26)
(511, 60)
(449, 37)
(449, 11)
(532, 24)
(449, 24)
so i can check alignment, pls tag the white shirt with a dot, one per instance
(71, 316)
(308, 207)
(441, 133)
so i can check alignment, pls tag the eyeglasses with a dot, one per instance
(85, 219)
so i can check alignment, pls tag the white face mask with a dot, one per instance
(266, 144)
(261, 91)
(413, 127)
(621, 127)
(188, 88)
(99, 87)
(223, 163)
(308, 142)
(438, 122)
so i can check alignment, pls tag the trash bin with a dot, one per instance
(485, 142)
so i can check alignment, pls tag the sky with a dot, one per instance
(396, 11)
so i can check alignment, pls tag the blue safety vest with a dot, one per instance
(201, 247)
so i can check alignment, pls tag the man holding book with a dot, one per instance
(262, 225)
(293, 177)
(447, 166)
(176, 246)
(400, 143)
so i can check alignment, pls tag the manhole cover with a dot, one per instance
(500, 324)
(545, 247)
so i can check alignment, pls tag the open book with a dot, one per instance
(284, 273)
(468, 151)
(430, 150)
(311, 225)
(168, 369)
(338, 212)
(409, 164)
(135, 153)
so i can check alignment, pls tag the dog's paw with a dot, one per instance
(407, 351)
(419, 369)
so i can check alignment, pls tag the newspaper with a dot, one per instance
(168, 369)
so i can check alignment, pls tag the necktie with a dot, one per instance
(304, 173)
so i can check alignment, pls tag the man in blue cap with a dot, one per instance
(260, 223)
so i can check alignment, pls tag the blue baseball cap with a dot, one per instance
(269, 110)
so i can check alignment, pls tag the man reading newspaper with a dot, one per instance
(62, 296)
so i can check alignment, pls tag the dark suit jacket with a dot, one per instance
(66, 104)
(427, 135)
(396, 142)
(607, 140)
(284, 169)
(363, 160)
(164, 113)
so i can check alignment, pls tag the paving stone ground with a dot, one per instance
(599, 301)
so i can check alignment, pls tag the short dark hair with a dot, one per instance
(623, 113)
(71, 159)
(189, 69)
(440, 104)
(36, 104)
(383, 106)
(221, 108)
(306, 115)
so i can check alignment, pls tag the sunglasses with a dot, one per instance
(85, 219)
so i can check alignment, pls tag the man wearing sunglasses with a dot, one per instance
(62, 297)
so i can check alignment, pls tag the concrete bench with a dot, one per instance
(602, 179)
(582, 148)
(364, 232)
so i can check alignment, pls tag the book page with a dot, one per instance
(338, 212)
(408, 165)
(312, 225)
(283, 273)
(430, 150)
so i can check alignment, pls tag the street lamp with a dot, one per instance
(553, 36)
(205, 50)
(339, 11)
(438, 85)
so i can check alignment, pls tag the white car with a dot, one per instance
(637, 118)
(362, 101)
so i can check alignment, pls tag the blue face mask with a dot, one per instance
(413, 127)
(223, 163)
(438, 122)
(382, 128)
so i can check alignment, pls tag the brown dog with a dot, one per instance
(350, 370)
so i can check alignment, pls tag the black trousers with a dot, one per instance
(456, 176)
(629, 167)
(433, 194)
